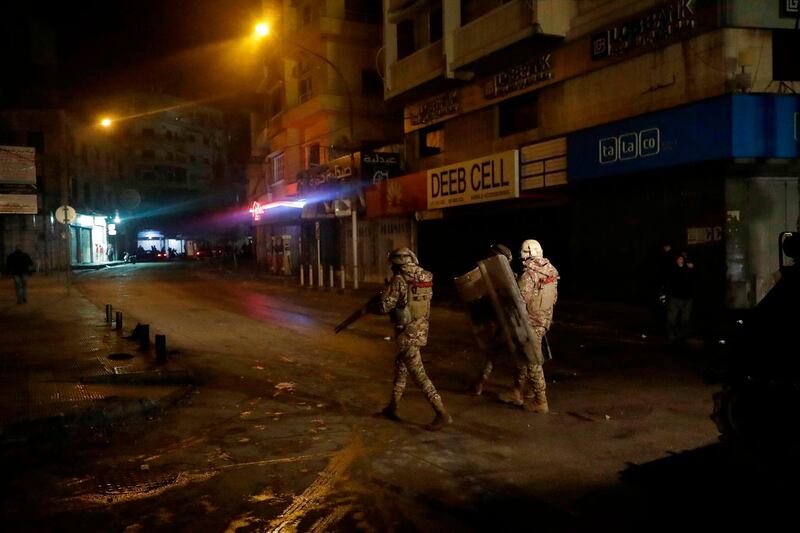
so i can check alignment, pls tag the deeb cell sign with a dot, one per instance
(486, 179)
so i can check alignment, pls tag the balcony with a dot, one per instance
(416, 69)
(507, 25)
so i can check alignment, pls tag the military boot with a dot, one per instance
(514, 397)
(390, 411)
(538, 404)
(442, 417)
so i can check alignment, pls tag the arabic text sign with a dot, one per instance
(18, 204)
(486, 179)
(17, 164)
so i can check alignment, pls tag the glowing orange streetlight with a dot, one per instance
(105, 122)
(262, 29)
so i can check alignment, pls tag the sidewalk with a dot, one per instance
(55, 370)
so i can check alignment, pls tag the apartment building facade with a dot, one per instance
(603, 128)
(324, 130)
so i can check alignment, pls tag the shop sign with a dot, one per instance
(18, 204)
(379, 166)
(703, 235)
(486, 179)
(790, 8)
(435, 108)
(543, 164)
(735, 126)
(397, 196)
(651, 27)
(17, 165)
(519, 77)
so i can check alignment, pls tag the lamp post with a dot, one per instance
(263, 30)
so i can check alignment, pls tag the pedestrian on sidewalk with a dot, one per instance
(408, 298)
(538, 284)
(680, 289)
(20, 266)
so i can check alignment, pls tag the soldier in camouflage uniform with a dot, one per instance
(538, 284)
(498, 344)
(408, 299)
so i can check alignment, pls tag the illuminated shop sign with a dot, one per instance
(653, 26)
(486, 179)
(790, 8)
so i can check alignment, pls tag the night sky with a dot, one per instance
(190, 48)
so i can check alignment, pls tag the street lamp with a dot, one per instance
(262, 30)
(105, 122)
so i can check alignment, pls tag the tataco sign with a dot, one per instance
(486, 179)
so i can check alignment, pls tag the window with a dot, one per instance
(431, 140)
(313, 154)
(304, 89)
(405, 38)
(371, 83)
(518, 114)
(36, 140)
(305, 16)
(369, 11)
(148, 154)
(148, 132)
(276, 101)
(277, 168)
(435, 25)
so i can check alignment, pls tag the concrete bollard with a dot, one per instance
(118, 321)
(161, 349)
(330, 277)
(321, 278)
(144, 337)
(310, 276)
(109, 313)
(302, 275)
(341, 278)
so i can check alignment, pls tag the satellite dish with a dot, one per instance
(130, 199)
(65, 214)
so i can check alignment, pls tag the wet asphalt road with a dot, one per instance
(280, 433)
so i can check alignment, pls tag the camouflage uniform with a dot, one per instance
(538, 284)
(408, 298)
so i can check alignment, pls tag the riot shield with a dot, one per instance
(498, 314)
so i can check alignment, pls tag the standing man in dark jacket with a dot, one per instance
(19, 265)
(679, 288)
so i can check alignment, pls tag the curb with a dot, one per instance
(147, 377)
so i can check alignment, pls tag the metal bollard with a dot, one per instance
(144, 337)
(321, 278)
(109, 313)
(119, 321)
(161, 349)
(310, 276)
(330, 276)
(341, 278)
(302, 276)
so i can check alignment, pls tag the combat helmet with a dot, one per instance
(402, 256)
(530, 249)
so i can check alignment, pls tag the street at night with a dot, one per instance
(399, 265)
(277, 428)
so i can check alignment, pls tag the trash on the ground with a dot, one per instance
(387, 338)
(287, 386)
(607, 417)
(244, 414)
(144, 467)
(721, 341)
(257, 367)
(320, 405)
(644, 336)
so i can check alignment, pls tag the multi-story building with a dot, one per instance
(323, 115)
(602, 128)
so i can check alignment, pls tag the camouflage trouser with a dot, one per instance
(409, 361)
(530, 376)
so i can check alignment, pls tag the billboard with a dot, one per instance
(485, 179)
